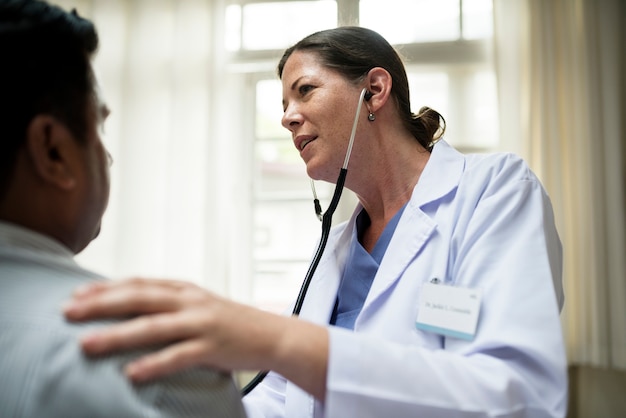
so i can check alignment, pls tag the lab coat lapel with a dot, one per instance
(440, 177)
(412, 233)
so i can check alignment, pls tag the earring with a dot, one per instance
(371, 117)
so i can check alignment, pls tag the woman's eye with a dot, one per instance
(305, 88)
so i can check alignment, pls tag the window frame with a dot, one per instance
(457, 57)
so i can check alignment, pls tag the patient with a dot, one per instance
(54, 188)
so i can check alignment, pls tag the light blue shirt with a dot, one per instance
(43, 372)
(361, 268)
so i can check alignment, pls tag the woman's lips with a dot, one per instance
(303, 140)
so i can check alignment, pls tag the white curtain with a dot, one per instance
(178, 142)
(562, 95)
(175, 173)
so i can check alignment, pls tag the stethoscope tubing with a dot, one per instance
(327, 220)
(326, 226)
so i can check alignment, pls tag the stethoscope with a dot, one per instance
(326, 219)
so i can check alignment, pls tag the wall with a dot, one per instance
(597, 393)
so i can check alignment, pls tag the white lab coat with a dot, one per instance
(475, 221)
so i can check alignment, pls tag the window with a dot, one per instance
(446, 46)
(276, 25)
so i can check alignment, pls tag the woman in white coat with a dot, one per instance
(440, 297)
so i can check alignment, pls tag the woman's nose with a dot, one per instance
(291, 118)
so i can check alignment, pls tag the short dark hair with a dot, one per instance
(353, 51)
(46, 69)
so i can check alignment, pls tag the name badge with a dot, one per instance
(448, 310)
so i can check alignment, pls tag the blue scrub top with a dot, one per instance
(361, 268)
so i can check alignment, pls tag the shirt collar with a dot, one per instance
(19, 237)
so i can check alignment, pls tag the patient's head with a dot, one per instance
(54, 175)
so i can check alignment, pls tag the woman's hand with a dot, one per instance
(201, 329)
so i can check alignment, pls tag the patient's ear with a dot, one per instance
(51, 148)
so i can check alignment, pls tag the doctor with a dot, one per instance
(440, 297)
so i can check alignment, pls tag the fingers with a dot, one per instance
(169, 360)
(188, 318)
(93, 288)
(124, 298)
(142, 331)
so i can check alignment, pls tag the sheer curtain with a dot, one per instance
(178, 144)
(561, 69)
(171, 186)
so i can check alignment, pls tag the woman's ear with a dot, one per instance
(378, 85)
(51, 148)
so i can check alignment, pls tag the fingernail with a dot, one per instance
(71, 309)
(90, 343)
(134, 371)
(82, 290)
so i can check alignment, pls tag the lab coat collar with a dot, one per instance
(440, 177)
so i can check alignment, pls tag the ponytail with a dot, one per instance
(428, 126)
